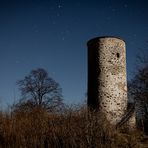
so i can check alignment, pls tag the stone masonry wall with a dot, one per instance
(107, 84)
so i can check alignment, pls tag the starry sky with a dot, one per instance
(52, 34)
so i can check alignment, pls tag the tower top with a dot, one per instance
(101, 37)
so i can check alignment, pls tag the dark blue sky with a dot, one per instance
(52, 34)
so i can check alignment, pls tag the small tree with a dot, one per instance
(38, 89)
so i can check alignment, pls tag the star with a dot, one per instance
(63, 38)
(125, 5)
(35, 28)
(108, 18)
(58, 14)
(113, 9)
(17, 62)
(59, 6)
(36, 31)
(53, 22)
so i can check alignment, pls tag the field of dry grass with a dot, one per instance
(71, 129)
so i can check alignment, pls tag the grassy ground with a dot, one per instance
(72, 129)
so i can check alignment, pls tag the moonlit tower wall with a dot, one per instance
(107, 83)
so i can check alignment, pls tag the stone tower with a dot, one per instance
(107, 84)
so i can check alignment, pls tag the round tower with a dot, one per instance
(107, 84)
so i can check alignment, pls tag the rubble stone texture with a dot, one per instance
(107, 83)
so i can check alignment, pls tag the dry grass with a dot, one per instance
(72, 129)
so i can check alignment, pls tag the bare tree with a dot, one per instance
(38, 89)
(138, 90)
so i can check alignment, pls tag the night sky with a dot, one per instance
(52, 34)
